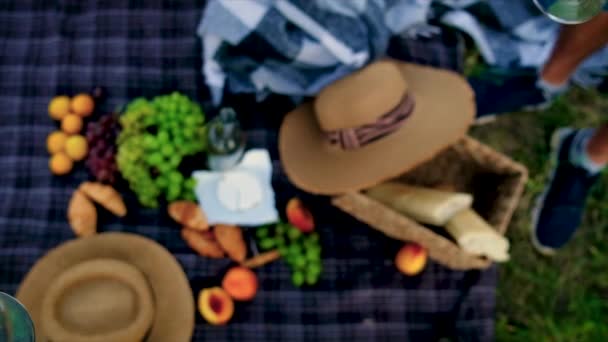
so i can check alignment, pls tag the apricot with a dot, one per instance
(71, 124)
(60, 164)
(76, 147)
(82, 104)
(299, 216)
(59, 107)
(55, 142)
(411, 259)
(215, 305)
(240, 283)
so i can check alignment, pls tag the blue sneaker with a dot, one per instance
(559, 210)
(499, 91)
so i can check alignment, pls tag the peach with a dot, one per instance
(55, 142)
(60, 164)
(411, 259)
(240, 283)
(82, 104)
(299, 216)
(71, 124)
(76, 147)
(59, 107)
(215, 305)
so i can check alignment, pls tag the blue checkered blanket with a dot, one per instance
(296, 47)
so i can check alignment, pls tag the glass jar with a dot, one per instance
(570, 11)
(225, 141)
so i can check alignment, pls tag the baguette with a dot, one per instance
(424, 205)
(474, 235)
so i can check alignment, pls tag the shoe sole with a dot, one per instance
(556, 144)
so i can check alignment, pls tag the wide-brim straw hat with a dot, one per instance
(109, 287)
(374, 125)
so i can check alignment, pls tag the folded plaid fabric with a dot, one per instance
(514, 33)
(295, 47)
(430, 45)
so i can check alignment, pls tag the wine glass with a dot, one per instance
(570, 11)
(15, 322)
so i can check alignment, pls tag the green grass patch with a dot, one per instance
(564, 298)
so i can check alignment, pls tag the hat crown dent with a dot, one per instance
(98, 299)
(92, 318)
(361, 98)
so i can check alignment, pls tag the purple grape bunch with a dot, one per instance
(101, 136)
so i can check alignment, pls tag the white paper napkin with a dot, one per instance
(246, 197)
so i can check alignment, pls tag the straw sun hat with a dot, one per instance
(373, 125)
(109, 287)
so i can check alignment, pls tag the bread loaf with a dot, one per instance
(474, 235)
(424, 205)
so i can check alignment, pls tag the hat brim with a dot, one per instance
(444, 110)
(173, 299)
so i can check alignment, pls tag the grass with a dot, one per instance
(564, 298)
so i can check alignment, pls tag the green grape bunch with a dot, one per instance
(156, 136)
(301, 252)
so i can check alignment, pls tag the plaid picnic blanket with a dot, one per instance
(147, 48)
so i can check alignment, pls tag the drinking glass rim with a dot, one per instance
(27, 315)
(561, 20)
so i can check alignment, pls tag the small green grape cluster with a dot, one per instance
(302, 252)
(156, 135)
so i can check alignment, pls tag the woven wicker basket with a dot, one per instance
(495, 181)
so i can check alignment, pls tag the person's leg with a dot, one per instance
(574, 44)
(597, 149)
(510, 91)
(579, 156)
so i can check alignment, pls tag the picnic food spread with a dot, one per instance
(128, 156)
(147, 143)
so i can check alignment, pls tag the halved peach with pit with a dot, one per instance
(240, 283)
(299, 216)
(215, 305)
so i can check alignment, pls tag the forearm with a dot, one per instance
(575, 44)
